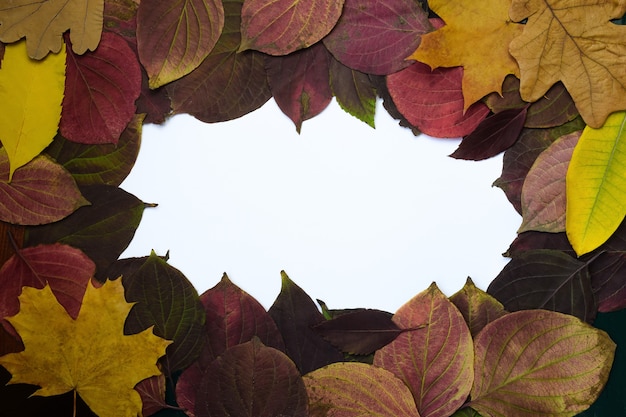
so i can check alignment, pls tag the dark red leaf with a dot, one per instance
(152, 392)
(539, 240)
(380, 83)
(120, 17)
(355, 92)
(155, 104)
(608, 279)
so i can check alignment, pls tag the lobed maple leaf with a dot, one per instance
(90, 355)
(573, 41)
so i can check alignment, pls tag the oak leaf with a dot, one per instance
(488, 26)
(576, 43)
(90, 355)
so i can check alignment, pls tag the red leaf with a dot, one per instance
(100, 92)
(607, 280)
(375, 37)
(433, 100)
(152, 392)
(67, 270)
(300, 83)
(436, 362)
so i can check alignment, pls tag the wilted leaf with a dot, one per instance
(596, 185)
(354, 389)
(477, 307)
(375, 37)
(31, 93)
(543, 193)
(537, 362)
(584, 60)
(433, 100)
(545, 279)
(56, 344)
(354, 91)
(281, 27)
(41, 192)
(493, 135)
(435, 362)
(167, 302)
(174, 37)
(43, 24)
(295, 313)
(252, 380)
(100, 92)
(488, 25)
(300, 83)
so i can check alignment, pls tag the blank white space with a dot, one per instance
(357, 217)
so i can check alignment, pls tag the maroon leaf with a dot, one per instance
(539, 240)
(295, 314)
(433, 100)
(282, 27)
(100, 92)
(355, 92)
(174, 37)
(152, 392)
(477, 307)
(67, 270)
(546, 279)
(155, 104)
(375, 37)
(607, 279)
(380, 83)
(435, 362)
(251, 380)
(493, 135)
(300, 83)
(40, 192)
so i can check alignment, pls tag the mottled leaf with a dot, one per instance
(295, 313)
(433, 100)
(477, 307)
(120, 16)
(375, 37)
(493, 135)
(41, 192)
(281, 27)
(252, 380)
(439, 372)
(354, 91)
(546, 279)
(100, 92)
(167, 301)
(543, 193)
(174, 37)
(354, 389)
(538, 362)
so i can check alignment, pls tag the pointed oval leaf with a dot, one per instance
(375, 37)
(168, 302)
(41, 192)
(477, 307)
(281, 27)
(435, 362)
(546, 279)
(354, 389)
(31, 93)
(433, 100)
(607, 280)
(174, 37)
(596, 185)
(543, 193)
(538, 362)
(355, 92)
(252, 380)
(100, 92)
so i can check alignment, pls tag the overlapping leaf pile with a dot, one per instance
(542, 83)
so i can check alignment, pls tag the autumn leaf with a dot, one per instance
(576, 44)
(56, 345)
(43, 24)
(488, 26)
(477, 307)
(31, 93)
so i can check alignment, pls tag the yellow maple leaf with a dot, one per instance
(44, 22)
(573, 41)
(90, 355)
(476, 36)
(31, 93)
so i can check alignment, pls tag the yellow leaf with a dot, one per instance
(596, 185)
(476, 36)
(31, 93)
(574, 42)
(44, 22)
(90, 355)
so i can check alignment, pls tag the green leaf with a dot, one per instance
(596, 185)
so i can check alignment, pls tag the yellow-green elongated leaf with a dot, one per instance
(596, 185)
(31, 93)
